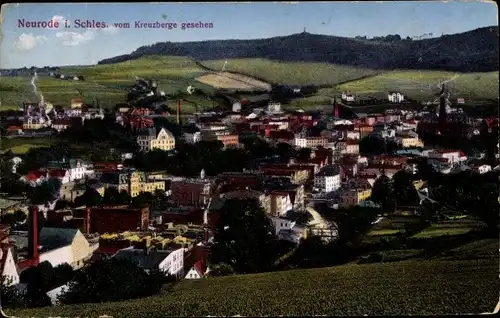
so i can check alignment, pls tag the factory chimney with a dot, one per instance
(33, 256)
(336, 107)
(179, 111)
(442, 109)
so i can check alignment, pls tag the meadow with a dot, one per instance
(108, 82)
(297, 73)
(403, 288)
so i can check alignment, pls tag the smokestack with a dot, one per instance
(33, 235)
(179, 111)
(335, 108)
(442, 110)
(87, 220)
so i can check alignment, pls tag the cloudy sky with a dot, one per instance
(76, 45)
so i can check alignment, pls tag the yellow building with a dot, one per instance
(410, 141)
(140, 183)
(76, 103)
(355, 196)
(150, 139)
(34, 123)
(79, 189)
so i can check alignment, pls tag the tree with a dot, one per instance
(111, 196)
(47, 191)
(19, 216)
(354, 222)
(285, 152)
(39, 281)
(89, 198)
(221, 269)
(244, 237)
(404, 192)
(62, 274)
(10, 297)
(111, 280)
(144, 199)
(382, 193)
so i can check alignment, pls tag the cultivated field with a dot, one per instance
(404, 288)
(106, 82)
(227, 80)
(20, 146)
(423, 85)
(299, 73)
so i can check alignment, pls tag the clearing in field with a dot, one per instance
(404, 288)
(298, 73)
(227, 80)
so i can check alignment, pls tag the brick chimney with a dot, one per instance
(87, 220)
(33, 235)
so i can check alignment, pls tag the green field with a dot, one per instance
(21, 145)
(173, 74)
(404, 288)
(422, 85)
(108, 83)
(299, 73)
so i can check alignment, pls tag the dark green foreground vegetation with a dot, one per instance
(417, 288)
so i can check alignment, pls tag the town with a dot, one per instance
(300, 168)
(325, 175)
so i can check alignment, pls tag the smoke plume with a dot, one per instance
(35, 91)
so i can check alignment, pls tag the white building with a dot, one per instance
(328, 179)
(8, 267)
(236, 107)
(451, 156)
(274, 108)
(170, 262)
(77, 169)
(199, 270)
(348, 97)
(288, 230)
(482, 169)
(192, 138)
(395, 97)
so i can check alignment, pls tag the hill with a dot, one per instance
(472, 51)
(404, 288)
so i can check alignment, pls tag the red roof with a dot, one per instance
(14, 128)
(411, 122)
(34, 175)
(58, 173)
(199, 266)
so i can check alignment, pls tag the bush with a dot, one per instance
(373, 258)
(221, 269)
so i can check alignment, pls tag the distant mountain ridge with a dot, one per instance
(472, 51)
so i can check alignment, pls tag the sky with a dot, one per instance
(81, 44)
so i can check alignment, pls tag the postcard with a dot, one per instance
(249, 159)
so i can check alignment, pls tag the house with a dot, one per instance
(8, 269)
(310, 142)
(139, 182)
(190, 192)
(77, 168)
(34, 123)
(481, 169)
(287, 229)
(150, 139)
(351, 147)
(328, 179)
(264, 200)
(354, 196)
(408, 139)
(76, 103)
(199, 270)
(274, 108)
(348, 97)
(54, 245)
(395, 97)
(169, 261)
(280, 202)
(36, 177)
(450, 155)
(60, 174)
(192, 137)
(61, 124)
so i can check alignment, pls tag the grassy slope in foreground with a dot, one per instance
(417, 288)
(298, 73)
